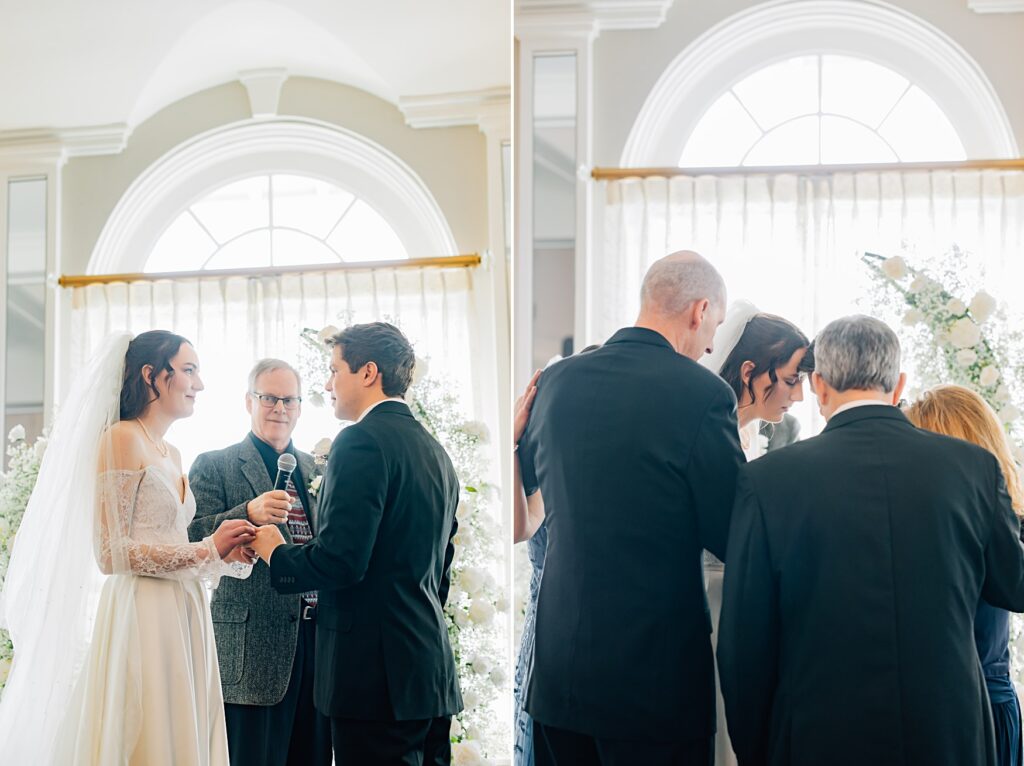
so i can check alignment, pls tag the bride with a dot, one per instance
(114, 659)
(759, 356)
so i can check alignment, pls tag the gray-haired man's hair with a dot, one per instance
(269, 365)
(671, 285)
(858, 352)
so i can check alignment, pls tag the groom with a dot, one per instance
(385, 672)
(635, 448)
(856, 561)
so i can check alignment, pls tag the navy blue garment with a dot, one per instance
(536, 548)
(992, 636)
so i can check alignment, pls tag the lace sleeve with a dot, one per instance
(124, 550)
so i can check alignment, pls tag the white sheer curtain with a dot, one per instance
(790, 243)
(233, 321)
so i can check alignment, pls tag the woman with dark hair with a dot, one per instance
(759, 356)
(115, 660)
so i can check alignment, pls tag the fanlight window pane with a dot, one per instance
(364, 236)
(844, 141)
(250, 251)
(920, 131)
(781, 91)
(308, 204)
(275, 220)
(236, 208)
(184, 246)
(793, 143)
(723, 135)
(822, 109)
(859, 89)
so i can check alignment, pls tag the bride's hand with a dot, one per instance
(522, 408)
(232, 533)
(241, 554)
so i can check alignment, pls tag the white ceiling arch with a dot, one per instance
(116, 62)
(778, 30)
(301, 146)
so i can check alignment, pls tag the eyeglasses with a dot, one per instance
(270, 401)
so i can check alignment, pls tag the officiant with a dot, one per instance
(265, 641)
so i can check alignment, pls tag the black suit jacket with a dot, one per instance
(635, 449)
(856, 561)
(381, 562)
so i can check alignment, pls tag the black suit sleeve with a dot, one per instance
(211, 504)
(748, 642)
(711, 472)
(449, 556)
(1004, 555)
(356, 487)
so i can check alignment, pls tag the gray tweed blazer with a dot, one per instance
(256, 628)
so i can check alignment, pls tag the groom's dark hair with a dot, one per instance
(384, 345)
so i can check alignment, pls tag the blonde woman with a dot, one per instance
(958, 411)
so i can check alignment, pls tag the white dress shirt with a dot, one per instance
(858, 403)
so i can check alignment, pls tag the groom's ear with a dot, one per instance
(370, 373)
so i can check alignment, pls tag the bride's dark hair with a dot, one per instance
(156, 348)
(768, 341)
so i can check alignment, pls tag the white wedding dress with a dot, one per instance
(149, 693)
(714, 572)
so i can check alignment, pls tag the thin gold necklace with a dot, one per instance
(163, 452)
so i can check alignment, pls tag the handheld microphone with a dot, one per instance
(285, 466)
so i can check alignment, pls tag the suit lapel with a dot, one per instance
(255, 472)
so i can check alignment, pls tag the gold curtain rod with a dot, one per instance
(608, 174)
(453, 261)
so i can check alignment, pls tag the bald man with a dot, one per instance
(635, 449)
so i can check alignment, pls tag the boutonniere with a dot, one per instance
(314, 484)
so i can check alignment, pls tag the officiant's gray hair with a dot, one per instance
(677, 280)
(858, 353)
(269, 365)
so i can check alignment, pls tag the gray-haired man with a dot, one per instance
(856, 561)
(265, 641)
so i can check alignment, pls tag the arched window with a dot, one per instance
(822, 109)
(274, 219)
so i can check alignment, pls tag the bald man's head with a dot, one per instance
(674, 282)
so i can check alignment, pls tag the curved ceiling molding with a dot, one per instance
(300, 146)
(783, 29)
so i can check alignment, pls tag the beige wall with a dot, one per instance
(627, 64)
(451, 162)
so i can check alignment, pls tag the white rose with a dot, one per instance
(39, 448)
(965, 357)
(5, 669)
(983, 306)
(467, 753)
(419, 371)
(989, 376)
(314, 486)
(913, 316)
(498, 677)
(956, 306)
(895, 267)
(477, 429)
(481, 612)
(461, 618)
(480, 664)
(1007, 414)
(16, 434)
(472, 579)
(470, 699)
(456, 729)
(1003, 394)
(323, 447)
(327, 333)
(964, 333)
(920, 284)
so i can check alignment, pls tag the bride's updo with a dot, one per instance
(155, 348)
(768, 341)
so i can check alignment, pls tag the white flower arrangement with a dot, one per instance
(16, 486)
(955, 341)
(474, 599)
